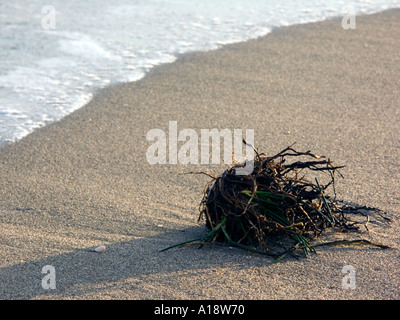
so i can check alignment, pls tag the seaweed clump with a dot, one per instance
(275, 210)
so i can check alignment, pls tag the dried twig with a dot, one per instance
(274, 207)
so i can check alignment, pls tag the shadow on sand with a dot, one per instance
(82, 270)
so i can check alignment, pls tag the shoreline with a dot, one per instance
(84, 181)
(178, 56)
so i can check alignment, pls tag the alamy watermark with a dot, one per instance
(49, 280)
(349, 280)
(49, 17)
(349, 17)
(196, 149)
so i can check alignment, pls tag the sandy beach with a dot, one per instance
(85, 181)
